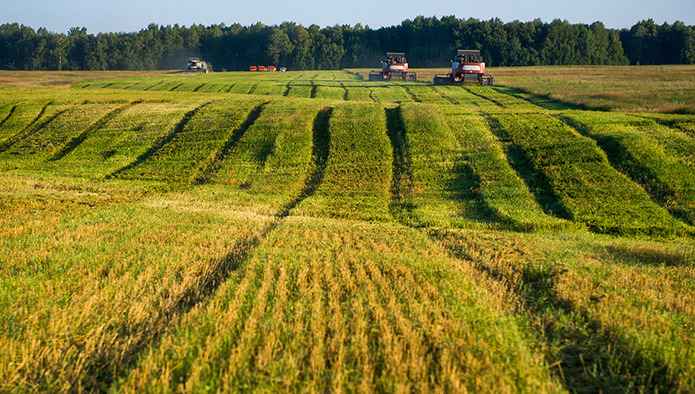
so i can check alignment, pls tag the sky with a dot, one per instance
(133, 15)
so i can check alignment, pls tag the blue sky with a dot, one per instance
(133, 15)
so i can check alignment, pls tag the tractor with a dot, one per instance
(195, 64)
(394, 64)
(467, 66)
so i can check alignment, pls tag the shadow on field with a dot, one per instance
(585, 355)
(544, 101)
(160, 143)
(209, 169)
(208, 277)
(402, 182)
(466, 186)
(320, 151)
(537, 182)
(77, 140)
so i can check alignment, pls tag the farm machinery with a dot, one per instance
(195, 64)
(467, 66)
(394, 64)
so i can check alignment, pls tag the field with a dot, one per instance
(312, 231)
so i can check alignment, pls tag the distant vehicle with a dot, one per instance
(467, 66)
(253, 68)
(195, 64)
(262, 68)
(283, 69)
(271, 68)
(394, 64)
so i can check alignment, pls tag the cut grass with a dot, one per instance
(193, 143)
(284, 244)
(660, 159)
(362, 312)
(358, 171)
(272, 161)
(504, 194)
(576, 181)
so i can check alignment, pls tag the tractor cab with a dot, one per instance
(394, 63)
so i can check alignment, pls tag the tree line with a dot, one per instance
(427, 42)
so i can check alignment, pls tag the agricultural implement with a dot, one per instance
(263, 68)
(467, 66)
(394, 64)
(195, 64)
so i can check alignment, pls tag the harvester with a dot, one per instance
(394, 64)
(195, 64)
(467, 66)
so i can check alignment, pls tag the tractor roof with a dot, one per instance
(468, 52)
(388, 54)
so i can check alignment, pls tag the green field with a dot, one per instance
(312, 231)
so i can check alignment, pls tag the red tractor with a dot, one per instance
(467, 66)
(394, 64)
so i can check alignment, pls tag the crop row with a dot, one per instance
(326, 85)
(660, 158)
(357, 175)
(573, 178)
(450, 164)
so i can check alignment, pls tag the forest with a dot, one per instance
(427, 41)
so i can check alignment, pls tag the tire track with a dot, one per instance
(445, 97)
(160, 142)
(371, 93)
(76, 141)
(536, 180)
(150, 87)
(345, 95)
(289, 85)
(9, 114)
(412, 95)
(33, 127)
(229, 89)
(497, 103)
(253, 88)
(209, 169)
(211, 276)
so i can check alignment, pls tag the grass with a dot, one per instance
(574, 179)
(272, 160)
(357, 175)
(185, 152)
(665, 89)
(311, 231)
(658, 158)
